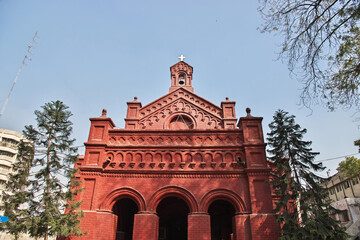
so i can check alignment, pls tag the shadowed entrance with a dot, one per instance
(173, 213)
(221, 214)
(125, 209)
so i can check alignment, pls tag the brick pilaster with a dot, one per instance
(146, 226)
(264, 226)
(98, 225)
(242, 227)
(199, 227)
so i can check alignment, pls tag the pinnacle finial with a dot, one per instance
(182, 57)
(104, 111)
(135, 99)
(248, 111)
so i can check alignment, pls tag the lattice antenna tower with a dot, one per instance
(26, 58)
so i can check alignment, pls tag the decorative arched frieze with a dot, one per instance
(148, 157)
(110, 156)
(129, 157)
(229, 157)
(138, 157)
(184, 160)
(119, 157)
(222, 194)
(173, 191)
(114, 196)
(218, 158)
(182, 138)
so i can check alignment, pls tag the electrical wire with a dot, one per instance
(330, 159)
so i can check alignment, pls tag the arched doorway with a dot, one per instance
(173, 213)
(125, 209)
(221, 215)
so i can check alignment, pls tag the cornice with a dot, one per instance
(257, 171)
(157, 174)
(174, 148)
(170, 131)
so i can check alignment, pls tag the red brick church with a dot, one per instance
(182, 168)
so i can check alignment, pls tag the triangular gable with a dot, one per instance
(156, 114)
(180, 93)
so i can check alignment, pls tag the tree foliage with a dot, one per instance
(303, 208)
(321, 45)
(17, 193)
(39, 194)
(350, 167)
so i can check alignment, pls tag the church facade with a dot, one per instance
(182, 168)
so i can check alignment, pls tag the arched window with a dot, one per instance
(181, 122)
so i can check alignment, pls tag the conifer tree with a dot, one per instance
(303, 208)
(44, 195)
(17, 188)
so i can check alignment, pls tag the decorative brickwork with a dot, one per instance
(182, 168)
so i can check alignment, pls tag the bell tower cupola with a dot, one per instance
(181, 75)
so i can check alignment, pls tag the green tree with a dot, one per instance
(17, 193)
(321, 45)
(303, 208)
(45, 195)
(350, 167)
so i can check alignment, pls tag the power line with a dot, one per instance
(27, 57)
(330, 159)
(81, 146)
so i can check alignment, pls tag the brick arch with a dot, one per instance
(114, 196)
(174, 115)
(173, 191)
(222, 194)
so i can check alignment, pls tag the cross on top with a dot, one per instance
(182, 57)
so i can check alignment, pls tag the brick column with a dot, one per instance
(241, 226)
(264, 226)
(98, 225)
(146, 226)
(199, 227)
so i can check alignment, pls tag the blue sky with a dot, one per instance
(100, 54)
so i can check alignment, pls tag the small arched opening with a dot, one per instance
(181, 80)
(125, 209)
(181, 122)
(221, 216)
(173, 214)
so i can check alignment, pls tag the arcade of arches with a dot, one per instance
(172, 216)
(183, 168)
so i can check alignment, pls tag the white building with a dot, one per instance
(9, 141)
(345, 194)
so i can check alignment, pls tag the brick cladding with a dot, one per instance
(183, 146)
